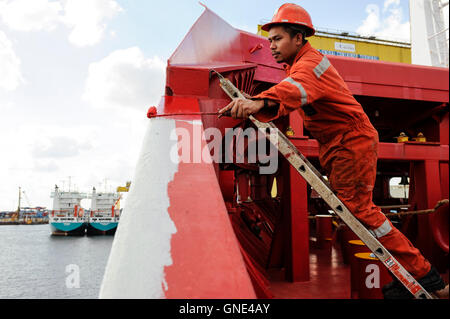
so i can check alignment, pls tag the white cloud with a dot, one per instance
(372, 22)
(41, 155)
(10, 74)
(87, 18)
(46, 166)
(387, 23)
(59, 147)
(389, 3)
(35, 15)
(125, 79)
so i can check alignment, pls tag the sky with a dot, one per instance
(78, 76)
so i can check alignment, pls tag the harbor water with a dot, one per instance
(36, 265)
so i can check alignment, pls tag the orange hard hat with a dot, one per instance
(292, 14)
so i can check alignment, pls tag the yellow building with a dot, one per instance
(356, 46)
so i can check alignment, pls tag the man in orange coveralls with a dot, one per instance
(347, 140)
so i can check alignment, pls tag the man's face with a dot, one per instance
(284, 48)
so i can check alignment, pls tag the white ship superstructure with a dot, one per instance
(67, 216)
(105, 212)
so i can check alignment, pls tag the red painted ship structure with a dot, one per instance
(223, 230)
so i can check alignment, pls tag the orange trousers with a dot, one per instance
(350, 160)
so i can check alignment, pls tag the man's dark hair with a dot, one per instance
(293, 30)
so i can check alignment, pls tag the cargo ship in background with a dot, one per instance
(239, 234)
(67, 216)
(104, 213)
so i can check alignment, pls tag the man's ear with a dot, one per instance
(299, 39)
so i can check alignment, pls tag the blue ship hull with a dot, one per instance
(102, 228)
(68, 228)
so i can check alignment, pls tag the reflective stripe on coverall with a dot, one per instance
(348, 144)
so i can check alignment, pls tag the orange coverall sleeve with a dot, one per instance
(300, 88)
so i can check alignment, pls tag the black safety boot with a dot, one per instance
(431, 282)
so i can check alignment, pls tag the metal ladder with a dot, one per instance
(316, 180)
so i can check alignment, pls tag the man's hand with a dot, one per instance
(242, 109)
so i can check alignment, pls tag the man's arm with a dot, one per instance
(300, 88)
(242, 109)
